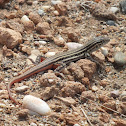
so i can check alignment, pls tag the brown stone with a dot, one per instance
(9, 37)
(71, 88)
(35, 17)
(88, 67)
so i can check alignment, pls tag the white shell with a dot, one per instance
(104, 51)
(36, 105)
(73, 45)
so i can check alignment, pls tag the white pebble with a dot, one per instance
(33, 124)
(94, 88)
(56, 12)
(114, 9)
(42, 42)
(35, 2)
(25, 19)
(73, 45)
(21, 89)
(56, 2)
(45, 7)
(104, 51)
(36, 105)
(48, 54)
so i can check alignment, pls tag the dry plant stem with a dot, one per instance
(86, 116)
(108, 108)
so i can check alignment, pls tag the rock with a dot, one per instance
(119, 122)
(111, 23)
(59, 41)
(87, 66)
(98, 56)
(49, 54)
(3, 2)
(85, 81)
(43, 28)
(122, 108)
(35, 17)
(12, 24)
(71, 88)
(114, 93)
(28, 24)
(104, 51)
(104, 83)
(114, 10)
(21, 1)
(49, 79)
(41, 12)
(61, 8)
(123, 6)
(123, 96)
(26, 49)
(87, 95)
(21, 89)
(49, 92)
(94, 88)
(76, 70)
(36, 105)
(9, 37)
(73, 45)
(104, 117)
(120, 58)
(72, 34)
(7, 52)
(23, 113)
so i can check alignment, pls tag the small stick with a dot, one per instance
(86, 116)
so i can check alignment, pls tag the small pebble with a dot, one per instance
(115, 93)
(21, 89)
(104, 51)
(42, 42)
(48, 54)
(76, 125)
(41, 12)
(123, 96)
(53, 2)
(45, 7)
(33, 124)
(120, 58)
(73, 45)
(25, 19)
(123, 6)
(114, 9)
(36, 105)
(111, 23)
(94, 88)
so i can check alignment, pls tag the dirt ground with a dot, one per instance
(89, 95)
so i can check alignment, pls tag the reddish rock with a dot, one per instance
(87, 95)
(43, 28)
(88, 67)
(49, 79)
(35, 17)
(76, 70)
(119, 122)
(49, 92)
(2, 2)
(7, 52)
(13, 24)
(71, 88)
(61, 8)
(22, 113)
(9, 37)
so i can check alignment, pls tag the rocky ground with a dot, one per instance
(87, 94)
